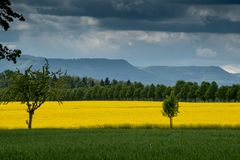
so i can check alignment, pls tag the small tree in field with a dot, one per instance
(170, 107)
(32, 88)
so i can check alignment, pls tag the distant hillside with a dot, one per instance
(122, 70)
(167, 74)
(22, 63)
(101, 68)
(96, 68)
(237, 74)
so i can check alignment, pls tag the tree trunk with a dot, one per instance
(170, 122)
(29, 122)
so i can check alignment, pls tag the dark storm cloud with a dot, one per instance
(218, 16)
(129, 9)
(207, 2)
(216, 26)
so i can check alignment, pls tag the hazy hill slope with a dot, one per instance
(102, 68)
(238, 75)
(167, 74)
(122, 70)
(22, 63)
(96, 68)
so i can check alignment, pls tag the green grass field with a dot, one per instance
(60, 144)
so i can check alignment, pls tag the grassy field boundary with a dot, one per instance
(143, 126)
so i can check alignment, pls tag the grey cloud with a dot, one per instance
(207, 2)
(215, 26)
(212, 16)
(138, 9)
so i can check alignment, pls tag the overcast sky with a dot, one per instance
(144, 32)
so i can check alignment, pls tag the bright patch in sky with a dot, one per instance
(231, 68)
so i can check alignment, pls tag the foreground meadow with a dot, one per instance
(129, 144)
(92, 114)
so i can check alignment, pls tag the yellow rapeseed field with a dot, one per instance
(100, 113)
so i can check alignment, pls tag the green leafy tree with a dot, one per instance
(5, 78)
(137, 93)
(144, 92)
(114, 82)
(130, 92)
(117, 91)
(234, 91)
(107, 82)
(88, 94)
(168, 91)
(178, 87)
(192, 94)
(102, 83)
(129, 83)
(202, 90)
(221, 93)
(108, 92)
(231, 93)
(183, 95)
(32, 88)
(96, 90)
(170, 107)
(123, 92)
(159, 92)
(211, 91)
(7, 15)
(151, 92)
(105, 93)
(238, 95)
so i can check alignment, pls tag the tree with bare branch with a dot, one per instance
(32, 88)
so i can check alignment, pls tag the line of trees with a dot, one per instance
(76, 88)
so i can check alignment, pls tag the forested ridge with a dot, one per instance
(84, 88)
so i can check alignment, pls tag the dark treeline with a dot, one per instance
(76, 88)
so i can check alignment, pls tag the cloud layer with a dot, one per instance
(152, 15)
(145, 32)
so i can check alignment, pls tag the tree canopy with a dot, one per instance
(32, 88)
(170, 107)
(84, 88)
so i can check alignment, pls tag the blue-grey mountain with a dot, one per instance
(122, 70)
